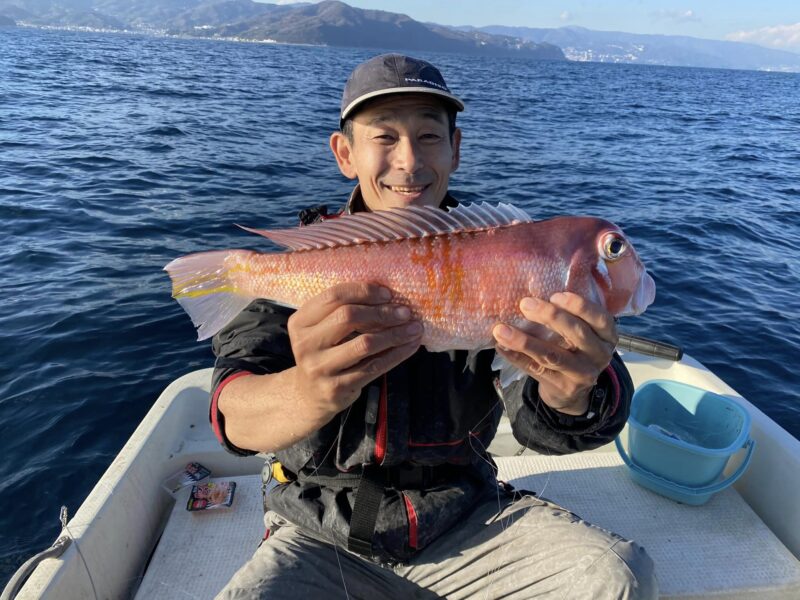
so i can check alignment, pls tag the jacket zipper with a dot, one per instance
(380, 433)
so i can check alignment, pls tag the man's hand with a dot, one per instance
(341, 339)
(347, 336)
(566, 367)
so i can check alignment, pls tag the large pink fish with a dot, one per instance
(461, 272)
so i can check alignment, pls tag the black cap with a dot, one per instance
(393, 74)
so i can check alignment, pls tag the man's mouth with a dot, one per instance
(408, 190)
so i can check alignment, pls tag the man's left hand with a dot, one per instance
(568, 365)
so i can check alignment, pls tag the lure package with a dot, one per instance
(193, 473)
(214, 494)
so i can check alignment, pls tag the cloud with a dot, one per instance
(676, 16)
(566, 16)
(784, 37)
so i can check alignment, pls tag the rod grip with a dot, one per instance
(648, 347)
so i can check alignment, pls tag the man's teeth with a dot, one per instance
(407, 190)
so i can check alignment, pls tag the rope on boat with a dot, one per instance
(58, 547)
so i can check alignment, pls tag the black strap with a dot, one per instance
(335, 482)
(365, 512)
(399, 477)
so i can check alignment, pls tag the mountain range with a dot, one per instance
(335, 23)
(579, 43)
(331, 23)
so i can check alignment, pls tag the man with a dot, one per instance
(387, 490)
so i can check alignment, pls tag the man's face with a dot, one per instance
(401, 151)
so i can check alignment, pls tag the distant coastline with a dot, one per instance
(333, 23)
(141, 32)
(329, 23)
(155, 33)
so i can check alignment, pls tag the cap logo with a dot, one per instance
(426, 82)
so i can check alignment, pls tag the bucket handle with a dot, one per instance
(712, 488)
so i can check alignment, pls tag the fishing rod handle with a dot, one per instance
(648, 347)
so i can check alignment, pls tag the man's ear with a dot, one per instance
(340, 146)
(456, 149)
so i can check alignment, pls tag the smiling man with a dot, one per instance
(398, 133)
(386, 487)
(402, 148)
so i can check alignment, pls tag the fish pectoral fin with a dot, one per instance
(508, 373)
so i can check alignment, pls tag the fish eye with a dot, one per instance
(614, 247)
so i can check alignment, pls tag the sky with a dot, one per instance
(770, 23)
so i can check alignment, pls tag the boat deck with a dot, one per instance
(718, 550)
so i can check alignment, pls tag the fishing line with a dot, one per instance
(341, 570)
(316, 468)
(333, 537)
(549, 455)
(332, 446)
(482, 456)
(506, 547)
(494, 469)
(65, 527)
(83, 560)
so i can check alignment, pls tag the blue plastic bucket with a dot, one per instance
(680, 438)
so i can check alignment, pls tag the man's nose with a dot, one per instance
(408, 155)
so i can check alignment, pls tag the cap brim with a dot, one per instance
(401, 90)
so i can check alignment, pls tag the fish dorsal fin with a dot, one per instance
(395, 224)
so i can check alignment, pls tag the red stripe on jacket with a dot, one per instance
(412, 523)
(214, 409)
(381, 431)
(615, 384)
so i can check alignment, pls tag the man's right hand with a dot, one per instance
(347, 336)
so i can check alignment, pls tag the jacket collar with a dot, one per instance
(355, 203)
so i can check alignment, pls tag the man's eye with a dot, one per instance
(384, 137)
(430, 137)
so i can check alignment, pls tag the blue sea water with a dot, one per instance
(119, 153)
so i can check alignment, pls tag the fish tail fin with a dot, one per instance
(203, 286)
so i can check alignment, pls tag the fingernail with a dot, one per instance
(502, 332)
(402, 312)
(529, 303)
(385, 294)
(414, 328)
(559, 297)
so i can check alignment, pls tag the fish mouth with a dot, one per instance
(645, 294)
(643, 297)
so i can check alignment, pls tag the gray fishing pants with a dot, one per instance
(527, 548)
